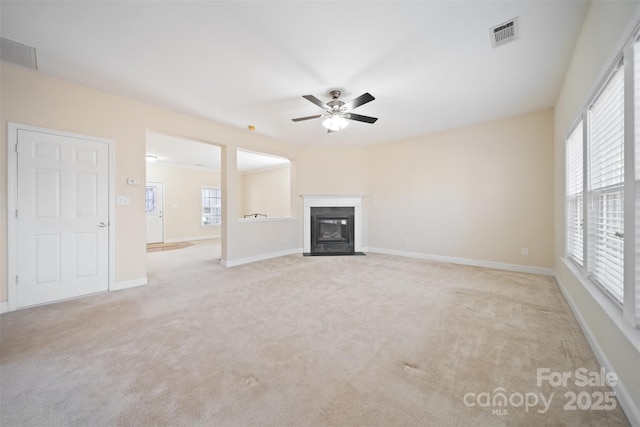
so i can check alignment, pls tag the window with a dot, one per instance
(211, 206)
(606, 185)
(151, 197)
(602, 186)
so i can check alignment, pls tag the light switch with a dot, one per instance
(133, 181)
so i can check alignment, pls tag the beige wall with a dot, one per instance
(606, 28)
(481, 193)
(30, 98)
(266, 192)
(182, 200)
(472, 171)
(332, 170)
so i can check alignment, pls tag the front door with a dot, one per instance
(62, 217)
(154, 209)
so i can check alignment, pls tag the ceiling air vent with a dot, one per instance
(504, 33)
(18, 53)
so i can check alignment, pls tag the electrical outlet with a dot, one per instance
(122, 200)
(525, 251)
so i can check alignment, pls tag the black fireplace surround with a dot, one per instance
(332, 231)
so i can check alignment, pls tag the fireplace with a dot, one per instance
(332, 230)
(332, 225)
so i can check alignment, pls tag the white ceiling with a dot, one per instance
(429, 64)
(175, 151)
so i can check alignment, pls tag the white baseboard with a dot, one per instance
(186, 239)
(240, 261)
(129, 284)
(631, 410)
(452, 260)
(4, 305)
(465, 261)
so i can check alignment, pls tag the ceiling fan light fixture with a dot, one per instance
(335, 123)
(337, 114)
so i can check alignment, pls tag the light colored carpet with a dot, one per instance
(372, 340)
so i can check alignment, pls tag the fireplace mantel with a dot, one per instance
(314, 200)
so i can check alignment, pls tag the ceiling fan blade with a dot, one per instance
(299, 119)
(360, 118)
(315, 101)
(362, 99)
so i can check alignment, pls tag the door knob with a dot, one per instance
(102, 224)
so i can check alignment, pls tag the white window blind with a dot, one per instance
(606, 182)
(575, 195)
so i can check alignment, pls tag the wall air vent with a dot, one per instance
(18, 53)
(504, 33)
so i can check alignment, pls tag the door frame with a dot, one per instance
(12, 204)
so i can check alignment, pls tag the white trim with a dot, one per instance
(12, 203)
(262, 257)
(466, 261)
(126, 284)
(4, 307)
(631, 410)
(631, 288)
(186, 239)
(112, 214)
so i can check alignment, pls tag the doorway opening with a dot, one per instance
(182, 176)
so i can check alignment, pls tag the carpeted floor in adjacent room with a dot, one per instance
(374, 340)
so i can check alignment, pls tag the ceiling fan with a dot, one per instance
(337, 113)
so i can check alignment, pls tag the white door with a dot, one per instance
(155, 215)
(62, 218)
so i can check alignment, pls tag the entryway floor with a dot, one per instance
(156, 247)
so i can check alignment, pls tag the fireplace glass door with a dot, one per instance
(332, 230)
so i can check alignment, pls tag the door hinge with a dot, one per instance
(16, 213)
(17, 279)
